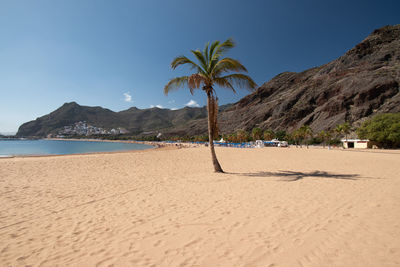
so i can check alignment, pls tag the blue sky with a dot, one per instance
(116, 54)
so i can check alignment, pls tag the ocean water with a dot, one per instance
(62, 147)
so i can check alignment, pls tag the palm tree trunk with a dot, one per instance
(211, 130)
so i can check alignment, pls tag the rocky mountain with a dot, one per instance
(135, 120)
(363, 82)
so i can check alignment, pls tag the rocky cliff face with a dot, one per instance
(363, 82)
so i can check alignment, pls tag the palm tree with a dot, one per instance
(346, 129)
(323, 136)
(242, 136)
(232, 138)
(256, 133)
(307, 133)
(268, 135)
(338, 130)
(211, 70)
(297, 136)
(328, 135)
(343, 129)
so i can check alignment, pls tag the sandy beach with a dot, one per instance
(273, 207)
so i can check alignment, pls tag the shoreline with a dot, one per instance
(178, 145)
(154, 147)
(152, 143)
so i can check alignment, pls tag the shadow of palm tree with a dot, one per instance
(292, 176)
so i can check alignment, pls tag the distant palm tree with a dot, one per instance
(309, 134)
(306, 132)
(268, 135)
(211, 70)
(328, 135)
(242, 136)
(343, 129)
(297, 136)
(256, 133)
(323, 136)
(338, 130)
(346, 129)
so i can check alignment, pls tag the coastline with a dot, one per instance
(178, 145)
(88, 153)
(153, 143)
(155, 146)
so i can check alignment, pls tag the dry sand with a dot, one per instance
(275, 207)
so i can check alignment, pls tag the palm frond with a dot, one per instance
(180, 60)
(224, 47)
(200, 57)
(209, 68)
(227, 64)
(212, 50)
(195, 81)
(212, 64)
(224, 83)
(205, 52)
(241, 80)
(176, 83)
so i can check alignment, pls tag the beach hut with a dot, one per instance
(355, 143)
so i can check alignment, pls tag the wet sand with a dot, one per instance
(273, 207)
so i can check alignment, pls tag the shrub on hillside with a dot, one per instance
(383, 129)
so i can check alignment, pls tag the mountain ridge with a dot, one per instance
(135, 120)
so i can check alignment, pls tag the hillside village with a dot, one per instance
(83, 128)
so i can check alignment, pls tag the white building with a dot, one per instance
(355, 143)
(123, 130)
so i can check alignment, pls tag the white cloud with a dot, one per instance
(156, 106)
(173, 108)
(127, 97)
(192, 104)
